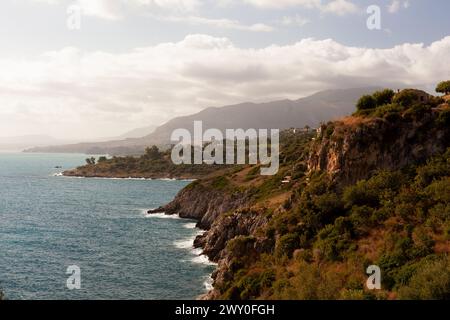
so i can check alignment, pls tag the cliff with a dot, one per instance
(353, 148)
(366, 190)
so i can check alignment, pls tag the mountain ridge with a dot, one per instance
(279, 114)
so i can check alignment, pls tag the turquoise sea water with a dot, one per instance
(48, 223)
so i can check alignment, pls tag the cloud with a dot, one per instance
(295, 20)
(218, 23)
(116, 9)
(78, 93)
(396, 5)
(339, 7)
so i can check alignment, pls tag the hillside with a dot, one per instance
(282, 114)
(369, 189)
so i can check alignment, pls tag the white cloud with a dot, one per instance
(218, 23)
(339, 7)
(74, 93)
(295, 20)
(396, 5)
(116, 9)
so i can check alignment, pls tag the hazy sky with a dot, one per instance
(139, 62)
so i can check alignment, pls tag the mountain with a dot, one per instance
(138, 133)
(282, 114)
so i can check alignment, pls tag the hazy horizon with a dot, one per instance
(135, 63)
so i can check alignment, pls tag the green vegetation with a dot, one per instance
(443, 87)
(366, 102)
(409, 103)
(377, 99)
(325, 236)
(320, 245)
(152, 164)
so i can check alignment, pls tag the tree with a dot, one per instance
(102, 159)
(383, 97)
(90, 161)
(152, 153)
(366, 102)
(443, 87)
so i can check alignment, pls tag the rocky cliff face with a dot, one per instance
(203, 204)
(225, 216)
(351, 149)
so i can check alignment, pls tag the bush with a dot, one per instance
(334, 240)
(444, 118)
(287, 244)
(388, 109)
(405, 98)
(430, 282)
(417, 111)
(366, 102)
(383, 97)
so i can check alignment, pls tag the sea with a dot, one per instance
(90, 238)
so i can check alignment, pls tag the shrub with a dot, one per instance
(391, 108)
(383, 97)
(287, 244)
(366, 102)
(405, 98)
(417, 111)
(334, 240)
(444, 118)
(360, 217)
(430, 282)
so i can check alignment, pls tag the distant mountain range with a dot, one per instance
(282, 114)
(21, 142)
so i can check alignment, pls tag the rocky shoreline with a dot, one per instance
(224, 216)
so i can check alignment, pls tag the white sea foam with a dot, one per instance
(184, 244)
(208, 283)
(202, 258)
(161, 216)
(190, 225)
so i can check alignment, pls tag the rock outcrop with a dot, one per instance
(225, 216)
(203, 204)
(351, 149)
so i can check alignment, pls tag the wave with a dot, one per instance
(191, 225)
(208, 283)
(184, 244)
(202, 258)
(161, 216)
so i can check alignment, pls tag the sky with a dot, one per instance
(85, 69)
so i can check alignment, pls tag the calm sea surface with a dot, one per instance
(48, 223)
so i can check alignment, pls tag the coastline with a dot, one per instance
(189, 244)
(124, 177)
